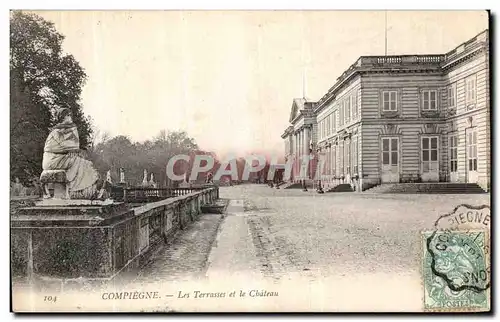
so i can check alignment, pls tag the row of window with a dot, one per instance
(341, 159)
(345, 111)
(429, 98)
(390, 152)
(430, 151)
(471, 152)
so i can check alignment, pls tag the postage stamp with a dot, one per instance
(456, 261)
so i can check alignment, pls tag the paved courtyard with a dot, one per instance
(339, 232)
(330, 252)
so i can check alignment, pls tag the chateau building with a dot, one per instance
(408, 118)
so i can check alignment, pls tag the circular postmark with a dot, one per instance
(457, 259)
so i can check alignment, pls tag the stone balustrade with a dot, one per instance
(398, 61)
(71, 243)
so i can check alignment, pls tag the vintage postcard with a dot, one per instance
(250, 161)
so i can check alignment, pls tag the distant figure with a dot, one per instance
(210, 177)
(17, 188)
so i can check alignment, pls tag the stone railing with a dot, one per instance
(141, 195)
(475, 42)
(400, 60)
(367, 62)
(71, 243)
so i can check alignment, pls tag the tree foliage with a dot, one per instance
(42, 78)
(152, 155)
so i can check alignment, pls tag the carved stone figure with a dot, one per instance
(108, 177)
(72, 176)
(152, 182)
(145, 179)
(122, 175)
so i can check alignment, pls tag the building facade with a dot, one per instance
(392, 119)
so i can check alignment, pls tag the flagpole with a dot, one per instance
(304, 83)
(385, 30)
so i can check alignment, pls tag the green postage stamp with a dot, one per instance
(456, 268)
(456, 261)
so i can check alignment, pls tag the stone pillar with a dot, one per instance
(305, 146)
(299, 150)
(296, 155)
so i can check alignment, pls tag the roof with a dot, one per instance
(301, 101)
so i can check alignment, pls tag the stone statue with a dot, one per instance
(72, 176)
(145, 179)
(152, 182)
(108, 177)
(122, 175)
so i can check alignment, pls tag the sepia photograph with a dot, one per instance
(249, 161)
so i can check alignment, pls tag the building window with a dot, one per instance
(390, 151)
(347, 111)
(354, 106)
(389, 101)
(336, 119)
(451, 95)
(328, 125)
(341, 117)
(354, 158)
(472, 150)
(429, 152)
(358, 105)
(453, 154)
(470, 92)
(429, 100)
(332, 122)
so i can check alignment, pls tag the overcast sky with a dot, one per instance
(228, 78)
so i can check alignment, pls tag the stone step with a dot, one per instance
(296, 185)
(344, 187)
(443, 188)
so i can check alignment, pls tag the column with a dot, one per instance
(329, 158)
(299, 150)
(306, 153)
(295, 154)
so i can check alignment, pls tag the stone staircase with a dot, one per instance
(291, 185)
(297, 185)
(430, 188)
(343, 187)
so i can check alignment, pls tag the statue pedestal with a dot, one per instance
(58, 179)
(65, 240)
